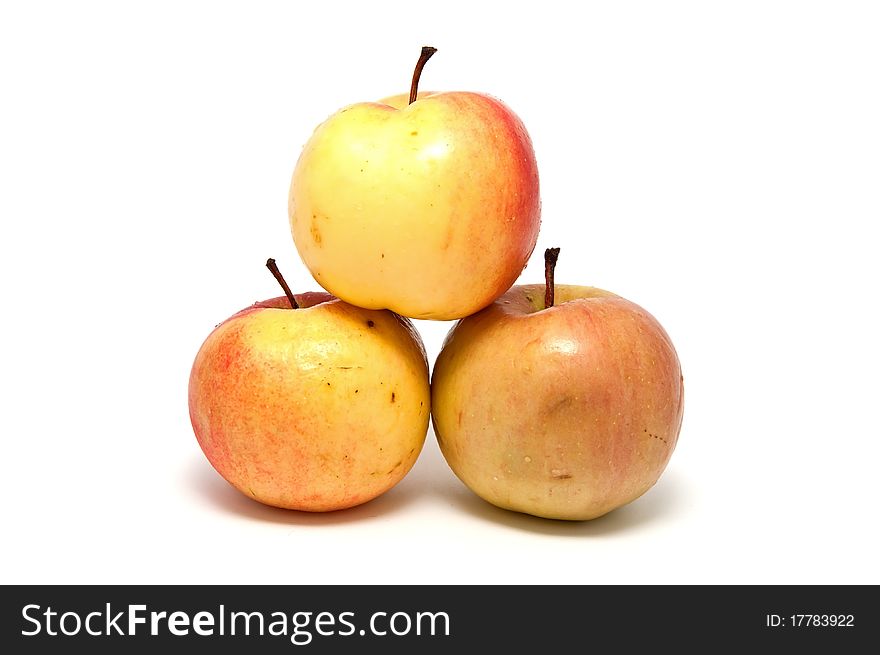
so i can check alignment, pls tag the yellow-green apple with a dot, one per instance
(429, 207)
(557, 400)
(307, 402)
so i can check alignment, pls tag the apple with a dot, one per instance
(560, 401)
(426, 204)
(307, 402)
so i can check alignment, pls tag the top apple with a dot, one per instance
(429, 207)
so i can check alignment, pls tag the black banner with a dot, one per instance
(434, 619)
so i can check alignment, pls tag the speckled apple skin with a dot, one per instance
(430, 209)
(565, 413)
(319, 408)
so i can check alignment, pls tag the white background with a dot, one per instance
(717, 163)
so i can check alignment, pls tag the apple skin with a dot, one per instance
(564, 413)
(318, 408)
(430, 209)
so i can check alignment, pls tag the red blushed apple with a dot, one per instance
(319, 407)
(559, 401)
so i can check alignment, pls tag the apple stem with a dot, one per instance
(550, 257)
(272, 266)
(427, 53)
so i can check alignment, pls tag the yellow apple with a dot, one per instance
(565, 410)
(317, 408)
(430, 209)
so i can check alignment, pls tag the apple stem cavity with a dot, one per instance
(427, 53)
(550, 257)
(273, 267)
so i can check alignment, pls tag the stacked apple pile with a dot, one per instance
(556, 400)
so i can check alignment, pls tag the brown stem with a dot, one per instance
(550, 257)
(427, 53)
(272, 266)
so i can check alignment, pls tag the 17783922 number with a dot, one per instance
(811, 621)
